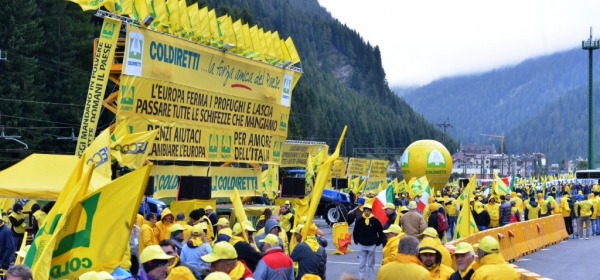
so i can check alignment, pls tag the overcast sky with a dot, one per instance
(424, 40)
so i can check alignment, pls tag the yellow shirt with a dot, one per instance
(390, 251)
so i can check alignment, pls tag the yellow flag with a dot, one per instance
(192, 11)
(499, 187)
(270, 180)
(140, 10)
(276, 45)
(249, 47)
(285, 52)
(214, 28)
(322, 179)
(158, 10)
(97, 234)
(239, 36)
(39, 256)
(226, 33)
(292, 49)
(362, 186)
(120, 7)
(133, 151)
(98, 153)
(468, 190)
(465, 225)
(173, 15)
(401, 187)
(256, 43)
(238, 210)
(354, 184)
(203, 25)
(309, 175)
(184, 20)
(87, 5)
(301, 208)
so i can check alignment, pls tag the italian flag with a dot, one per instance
(424, 199)
(385, 196)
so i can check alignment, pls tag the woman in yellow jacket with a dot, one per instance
(165, 223)
(493, 209)
(390, 251)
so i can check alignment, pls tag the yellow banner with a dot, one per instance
(166, 178)
(339, 168)
(359, 167)
(163, 57)
(103, 59)
(373, 184)
(378, 168)
(224, 179)
(198, 125)
(295, 155)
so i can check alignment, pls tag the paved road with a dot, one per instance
(571, 259)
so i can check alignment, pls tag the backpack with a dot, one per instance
(442, 222)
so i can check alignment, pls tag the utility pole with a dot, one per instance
(446, 124)
(590, 45)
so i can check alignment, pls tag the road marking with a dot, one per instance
(546, 249)
(524, 259)
(349, 263)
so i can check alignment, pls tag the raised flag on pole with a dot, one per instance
(238, 210)
(384, 197)
(465, 225)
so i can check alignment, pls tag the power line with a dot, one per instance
(38, 120)
(41, 102)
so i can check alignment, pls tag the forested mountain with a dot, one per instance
(49, 44)
(541, 100)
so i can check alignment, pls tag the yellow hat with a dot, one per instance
(199, 228)
(433, 207)
(488, 244)
(226, 231)
(23, 253)
(180, 272)
(153, 252)
(403, 209)
(176, 227)
(270, 239)
(298, 229)
(393, 229)
(412, 205)
(310, 277)
(390, 206)
(431, 232)
(222, 222)
(221, 251)
(217, 275)
(287, 202)
(428, 245)
(463, 247)
(93, 275)
(237, 229)
(368, 205)
(208, 207)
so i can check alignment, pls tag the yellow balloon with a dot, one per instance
(427, 158)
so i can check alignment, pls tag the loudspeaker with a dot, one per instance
(194, 187)
(149, 191)
(293, 187)
(339, 183)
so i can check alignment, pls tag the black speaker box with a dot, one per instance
(149, 191)
(293, 187)
(194, 187)
(339, 183)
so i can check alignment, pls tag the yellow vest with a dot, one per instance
(285, 221)
(564, 207)
(39, 216)
(533, 212)
(19, 229)
(543, 206)
(585, 208)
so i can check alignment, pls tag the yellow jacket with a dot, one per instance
(543, 206)
(147, 236)
(494, 211)
(405, 267)
(564, 207)
(163, 225)
(494, 267)
(441, 272)
(390, 251)
(532, 212)
(585, 208)
(451, 209)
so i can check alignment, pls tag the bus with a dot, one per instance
(587, 177)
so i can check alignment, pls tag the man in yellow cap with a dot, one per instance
(196, 247)
(177, 236)
(246, 252)
(481, 216)
(491, 263)
(432, 233)
(412, 222)
(406, 265)
(212, 217)
(275, 264)
(155, 263)
(390, 251)
(390, 211)
(224, 258)
(464, 256)
(431, 258)
(310, 255)
(221, 224)
(368, 235)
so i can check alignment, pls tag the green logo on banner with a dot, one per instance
(283, 122)
(435, 159)
(226, 147)
(127, 97)
(277, 150)
(213, 145)
(135, 47)
(81, 238)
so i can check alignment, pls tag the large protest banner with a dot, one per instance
(103, 59)
(296, 154)
(207, 104)
(359, 166)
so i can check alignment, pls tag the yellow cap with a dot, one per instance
(176, 227)
(431, 232)
(217, 275)
(208, 207)
(463, 247)
(237, 229)
(368, 205)
(428, 245)
(412, 205)
(180, 273)
(23, 253)
(390, 206)
(94, 275)
(270, 239)
(226, 231)
(393, 229)
(403, 209)
(287, 202)
(298, 229)
(221, 251)
(222, 222)
(153, 252)
(488, 244)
